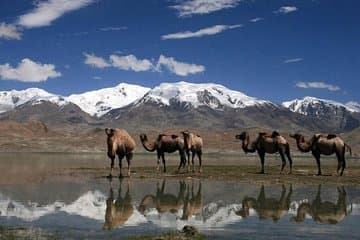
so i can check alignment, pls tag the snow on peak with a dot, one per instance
(11, 99)
(99, 102)
(303, 106)
(212, 95)
(354, 106)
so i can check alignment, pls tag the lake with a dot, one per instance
(77, 207)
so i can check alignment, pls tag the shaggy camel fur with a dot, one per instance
(266, 143)
(164, 202)
(326, 145)
(267, 207)
(193, 143)
(119, 143)
(118, 211)
(165, 144)
(324, 211)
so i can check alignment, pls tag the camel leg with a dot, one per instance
(199, 154)
(158, 161)
(192, 160)
(343, 163)
(262, 159)
(129, 156)
(283, 161)
(182, 160)
(287, 152)
(188, 158)
(112, 158)
(317, 158)
(163, 161)
(121, 156)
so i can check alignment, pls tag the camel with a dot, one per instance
(164, 202)
(193, 203)
(267, 207)
(193, 143)
(119, 143)
(326, 145)
(165, 144)
(266, 143)
(118, 211)
(324, 211)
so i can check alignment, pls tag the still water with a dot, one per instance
(74, 207)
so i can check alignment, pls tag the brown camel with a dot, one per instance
(192, 203)
(164, 202)
(165, 144)
(266, 143)
(323, 144)
(118, 211)
(119, 143)
(193, 143)
(267, 207)
(324, 211)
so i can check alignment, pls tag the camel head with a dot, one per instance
(109, 131)
(242, 136)
(185, 133)
(143, 137)
(303, 209)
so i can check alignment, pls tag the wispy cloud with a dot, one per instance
(9, 31)
(258, 19)
(321, 85)
(293, 60)
(28, 71)
(94, 61)
(191, 7)
(97, 78)
(45, 12)
(179, 68)
(107, 29)
(200, 33)
(130, 62)
(286, 9)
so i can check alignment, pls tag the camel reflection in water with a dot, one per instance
(118, 210)
(267, 207)
(324, 211)
(186, 200)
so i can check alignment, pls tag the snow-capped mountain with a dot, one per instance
(211, 95)
(11, 99)
(312, 106)
(99, 102)
(353, 106)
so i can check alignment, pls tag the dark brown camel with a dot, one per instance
(324, 211)
(266, 143)
(165, 144)
(120, 143)
(164, 202)
(267, 207)
(326, 145)
(193, 144)
(118, 211)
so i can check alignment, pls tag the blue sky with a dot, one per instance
(275, 50)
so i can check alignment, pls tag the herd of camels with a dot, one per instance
(120, 143)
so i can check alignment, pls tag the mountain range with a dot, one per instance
(180, 104)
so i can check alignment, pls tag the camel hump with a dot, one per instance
(262, 133)
(331, 136)
(173, 136)
(275, 134)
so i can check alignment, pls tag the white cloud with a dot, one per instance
(286, 9)
(130, 62)
(254, 20)
(293, 60)
(322, 85)
(46, 12)
(97, 78)
(191, 7)
(179, 68)
(106, 29)
(202, 32)
(94, 61)
(9, 31)
(28, 71)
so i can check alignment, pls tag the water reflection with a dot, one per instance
(118, 210)
(324, 211)
(265, 207)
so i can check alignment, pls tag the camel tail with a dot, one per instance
(349, 148)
